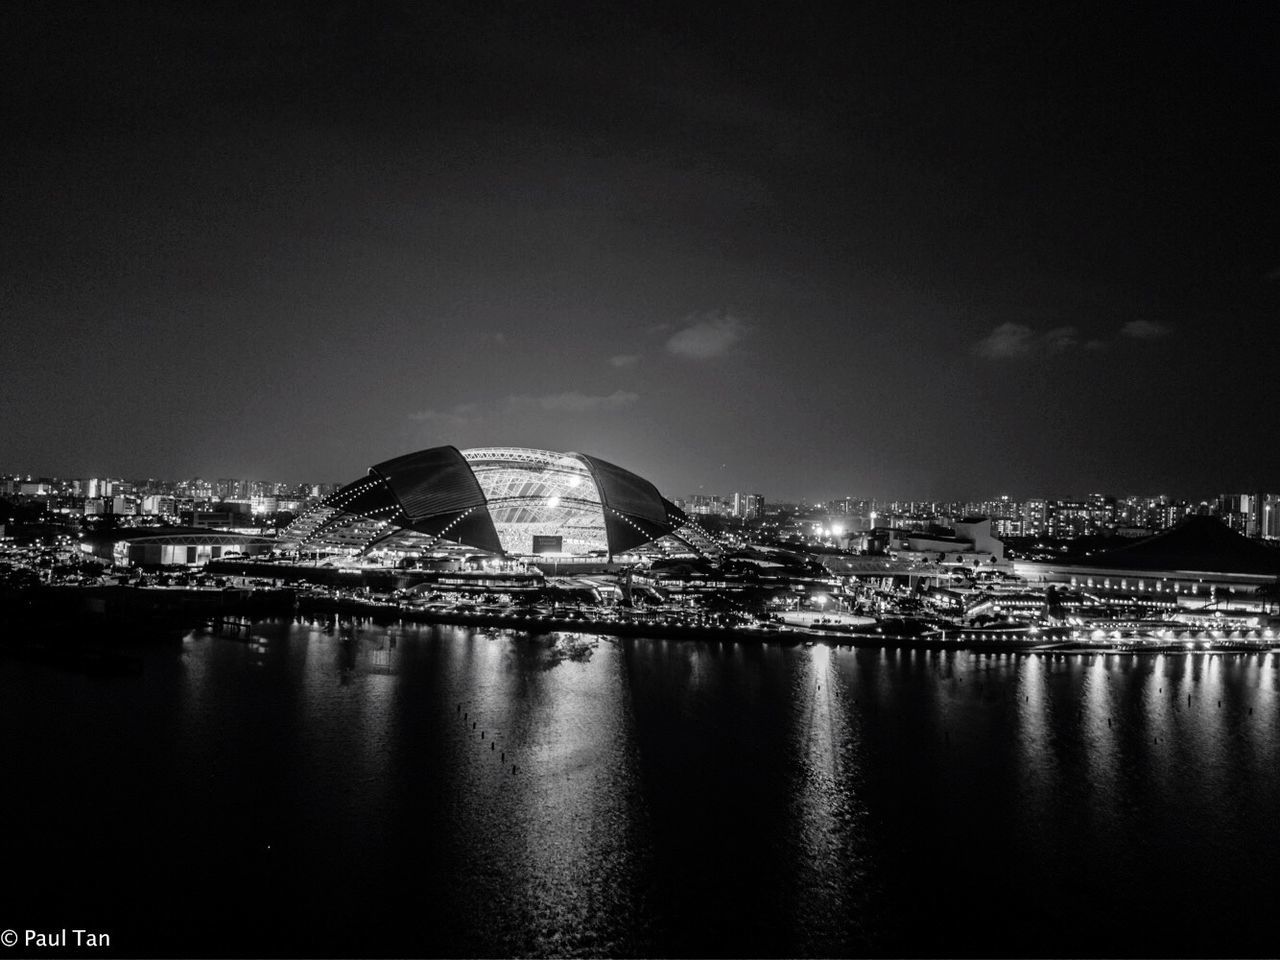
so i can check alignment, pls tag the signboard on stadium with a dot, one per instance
(545, 543)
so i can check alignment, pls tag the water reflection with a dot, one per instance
(829, 858)
(667, 798)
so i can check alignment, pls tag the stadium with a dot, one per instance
(503, 501)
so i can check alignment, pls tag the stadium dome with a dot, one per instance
(504, 500)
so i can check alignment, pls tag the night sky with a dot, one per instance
(947, 251)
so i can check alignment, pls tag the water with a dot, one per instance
(318, 792)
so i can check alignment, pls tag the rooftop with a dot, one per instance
(1198, 543)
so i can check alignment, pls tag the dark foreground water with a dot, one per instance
(317, 791)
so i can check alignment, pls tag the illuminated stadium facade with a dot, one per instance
(510, 501)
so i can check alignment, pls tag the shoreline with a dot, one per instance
(789, 636)
(124, 617)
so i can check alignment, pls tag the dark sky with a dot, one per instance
(874, 249)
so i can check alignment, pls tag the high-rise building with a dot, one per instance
(1003, 509)
(1068, 519)
(747, 506)
(1269, 521)
(1102, 512)
(1240, 512)
(157, 504)
(1035, 518)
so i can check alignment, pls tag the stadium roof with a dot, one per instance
(1199, 544)
(499, 499)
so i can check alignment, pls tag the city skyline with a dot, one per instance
(237, 502)
(215, 481)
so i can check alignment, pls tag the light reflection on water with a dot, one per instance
(823, 790)
(667, 798)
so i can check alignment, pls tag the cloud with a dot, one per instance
(1006, 341)
(1062, 338)
(706, 338)
(1011, 340)
(463, 414)
(468, 415)
(1144, 330)
(625, 359)
(575, 402)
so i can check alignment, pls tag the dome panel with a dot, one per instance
(432, 482)
(626, 492)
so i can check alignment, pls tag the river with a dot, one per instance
(331, 789)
